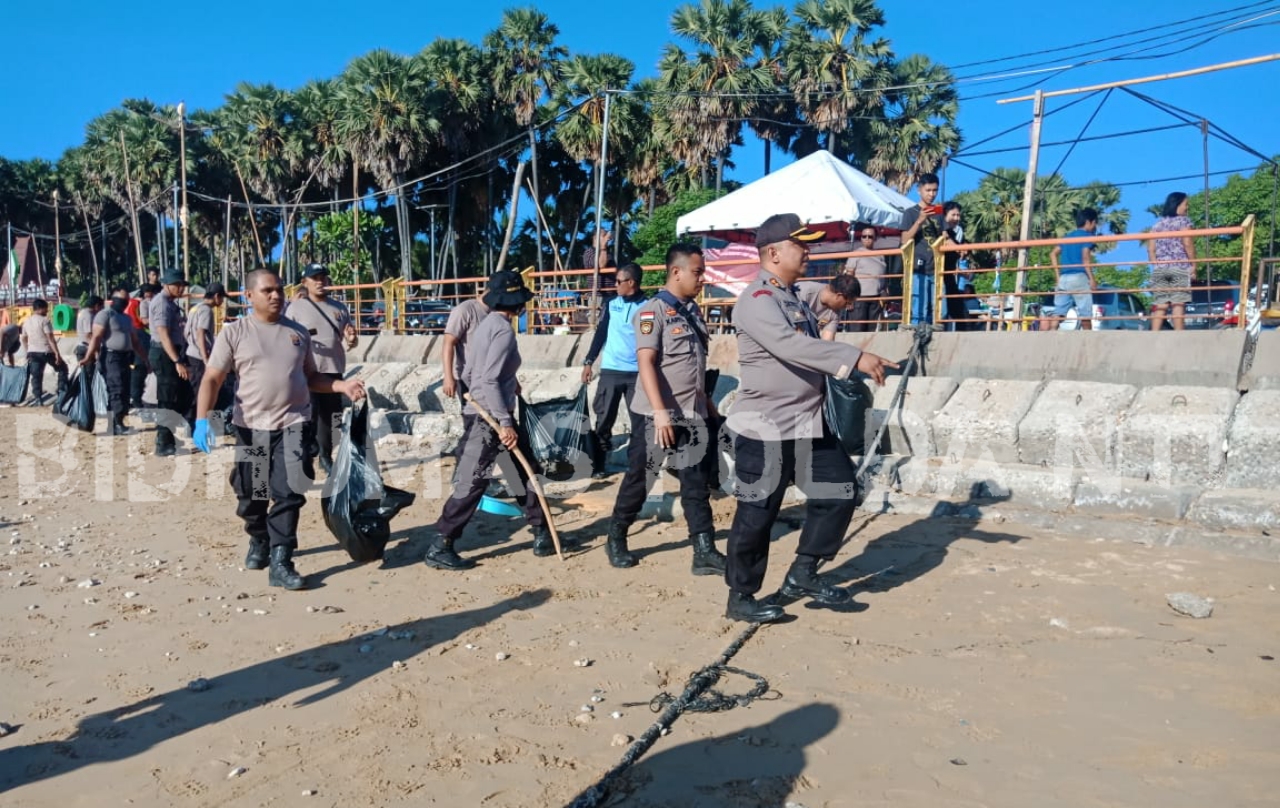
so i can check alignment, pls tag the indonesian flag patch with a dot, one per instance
(646, 321)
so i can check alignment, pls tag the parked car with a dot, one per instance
(1113, 310)
(372, 316)
(427, 316)
(717, 308)
(1212, 308)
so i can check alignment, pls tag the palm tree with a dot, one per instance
(387, 127)
(526, 67)
(715, 86)
(837, 72)
(918, 126)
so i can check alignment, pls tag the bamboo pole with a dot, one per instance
(1146, 80)
(533, 478)
(133, 212)
(262, 260)
(93, 255)
(511, 218)
(183, 214)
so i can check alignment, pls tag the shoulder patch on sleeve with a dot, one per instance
(759, 292)
(648, 315)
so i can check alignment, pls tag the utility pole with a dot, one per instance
(175, 227)
(1028, 203)
(182, 215)
(1208, 268)
(57, 241)
(226, 245)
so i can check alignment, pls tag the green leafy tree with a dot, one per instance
(657, 231)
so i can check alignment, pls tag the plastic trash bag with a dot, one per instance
(559, 433)
(100, 404)
(357, 506)
(845, 411)
(74, 405)
(13, 384)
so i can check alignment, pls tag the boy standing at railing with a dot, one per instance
(1073, 264)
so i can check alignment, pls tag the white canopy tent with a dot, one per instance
(823, 191)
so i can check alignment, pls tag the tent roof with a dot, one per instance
(820, 189)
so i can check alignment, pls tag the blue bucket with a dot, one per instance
(498, 508)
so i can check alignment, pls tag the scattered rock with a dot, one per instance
(959, 762)
(501, 655)
(621, 740)
(615, 714)
(1190, 605)
(584, 718)
(130, 594)
(310, 792)
(1057, 623)
(597, 699)
(236, 772)
(198, 685)
(582, 663)
(88, 583)
(364, 649)
(398, 665)
(587, 708)
(260, 611)
(5, 729)
(332, 610)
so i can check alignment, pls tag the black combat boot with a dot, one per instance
(543, 546)
(282, 572)
(258, 556)
(616, 547)
(707, 560)
(599, 454)
(803, 581)
(166, 444)
(441, 556)
(749, 610)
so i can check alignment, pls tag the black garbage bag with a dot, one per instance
(845, 410)
(13, 384)
(357, 506)
(74, 405)
(558, 433)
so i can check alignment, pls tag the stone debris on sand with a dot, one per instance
(1190, 605)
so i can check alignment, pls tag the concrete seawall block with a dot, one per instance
(1264, 373)
(1074, 424)
(1237, 509)
(420, 391)
(380, 381)
(1253, 459)
(550, 351)
(398, 348)
(1175, 435)
(981, 419)
(923, 399)
(1123, 496)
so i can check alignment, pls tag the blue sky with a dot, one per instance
(66, 69)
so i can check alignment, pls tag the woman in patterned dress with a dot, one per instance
(1172, 267)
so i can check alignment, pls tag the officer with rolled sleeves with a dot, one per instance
(779, 429)
(457, 336)
(168, 323)
(669, 412)
(493, 358)
(271, 356)
(115, 346)
(333, 333)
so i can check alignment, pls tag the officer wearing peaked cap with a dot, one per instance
(780, 436)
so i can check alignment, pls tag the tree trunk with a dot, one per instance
(402, 224)
(511, 216)
(537, 197)
(768, 157)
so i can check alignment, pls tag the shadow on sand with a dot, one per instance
(333, 668)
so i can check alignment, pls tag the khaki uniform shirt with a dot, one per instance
(680, 338)
(39, 333)
(273, 362)
(199, 329)
(782, 387)
(165, 311)
(327, 341)
(869, 270)
(118, 330)
(462, 321)
(494, 358)
(84, 325)
(811, 293)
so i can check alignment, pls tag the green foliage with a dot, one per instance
(335, 246)
(658, 231)
(1229, 206)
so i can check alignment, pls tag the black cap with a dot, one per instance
(215, 288)
(173, 277)
(506, 289)
(314, 271)
(786, 227)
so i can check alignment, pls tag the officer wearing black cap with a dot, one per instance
(780, 436)
(333, 333)
(168, 360)
(493, 358)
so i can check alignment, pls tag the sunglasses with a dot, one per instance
(867, 237)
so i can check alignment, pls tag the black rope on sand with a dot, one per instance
(691, 699)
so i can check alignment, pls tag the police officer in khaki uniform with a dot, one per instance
(201, 321)
(114, 346)
(271, 356)
(42, 349)
(669, 412)
(780, 434)
(333, 333)
(462, 321)
(828, 301)
(168, 325)
(493, 358)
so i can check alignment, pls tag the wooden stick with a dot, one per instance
(1148, 79)
(533, 478)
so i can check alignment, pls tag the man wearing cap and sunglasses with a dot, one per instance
(333, 333)
(493, 358)
(780, 436)
(168, 360)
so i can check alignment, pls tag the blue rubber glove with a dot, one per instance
(200, 435)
